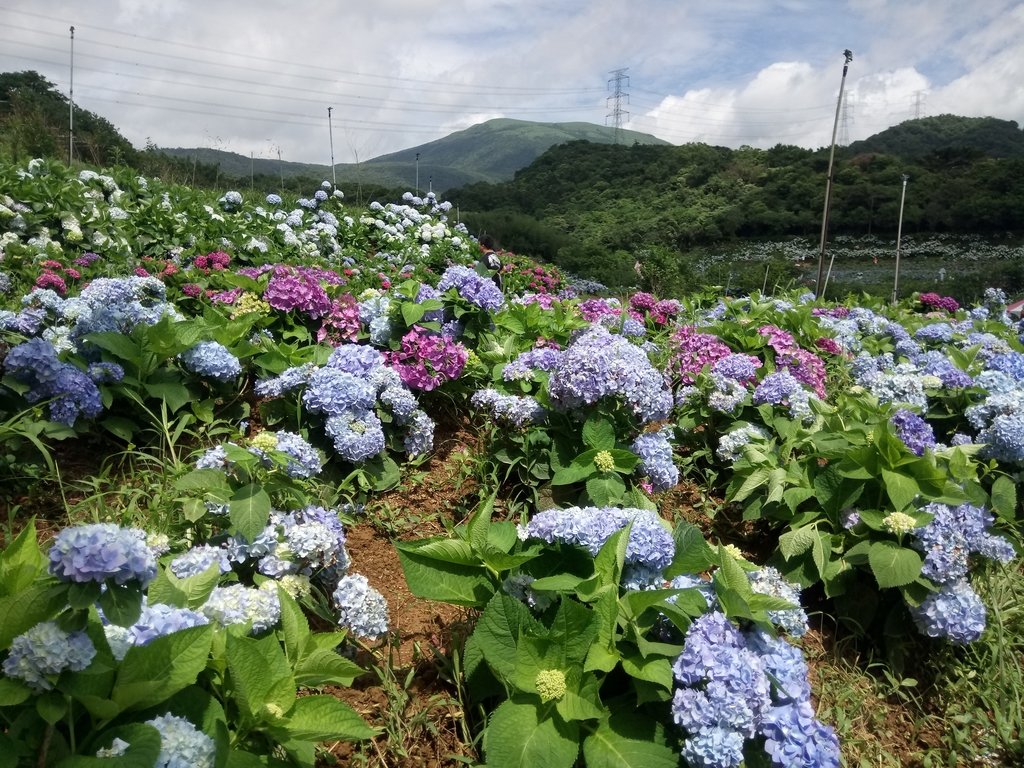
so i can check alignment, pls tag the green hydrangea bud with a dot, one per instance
(550, 684)
(604, 461)
(899, 523)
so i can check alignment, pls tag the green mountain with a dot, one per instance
(490, 152)
(988, 136)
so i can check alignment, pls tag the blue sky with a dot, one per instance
(257, 76)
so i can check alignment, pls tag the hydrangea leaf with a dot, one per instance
(614, 744)
(519, 735)
(893, 565)
(249, 510)
(151, 673)
(319, 718)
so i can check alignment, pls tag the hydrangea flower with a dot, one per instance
(915, 432)
(655, 452)
(694, 350)
(476, 289)
(425, 360)
(198, 560)
(511, 410)
(955, 613)
(182, 745)
(71, 392)
(212, 360)
(768, 581)
(358, 434)
(239, 604)
(952, 536)
(600, 365)
(650, 542)
(361, 608)
(100, 552)
(156, 620)
(46, 650)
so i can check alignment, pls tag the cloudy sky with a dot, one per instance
(258, 77)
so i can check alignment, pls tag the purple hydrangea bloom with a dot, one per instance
(650, 542)
(515, 411)
(655, 452)
(915, 432)
(742, 368)
(70, 391)
(795, 738)
(522, 368)
(304, 461)
(100, 552)
(1010, 363)
(293, 289)
(599, 365)
(782, 388)
(476, 289)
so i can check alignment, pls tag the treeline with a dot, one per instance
(596, 209)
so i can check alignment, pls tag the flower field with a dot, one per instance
(629, 524)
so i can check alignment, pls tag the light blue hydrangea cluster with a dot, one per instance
(768, 581)
(156, 620)
(526, 363)
(239, 604)
(600, 365)
(650, 541)
(511, 410)
(901, 384)
(211, 360)
(361, 608)
(303, 458)
(730, 445)
(71, 392)
(305, 541)
(655, 452)
(936, 363)
(738, 686)
(948, 541)
(182, 745)
(474, 288)
(101, 552)
(727, 393)
(44, 651)
(198, 560)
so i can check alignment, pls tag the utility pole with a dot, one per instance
(618, 77)
(818, 287)
(899, 238)
(417, 174)
(252, 174)
(71, 103)
(330, 128)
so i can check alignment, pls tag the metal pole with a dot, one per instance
(330, 128)
(417, 174)
(899, 237)
(848, 56)
(71, 103)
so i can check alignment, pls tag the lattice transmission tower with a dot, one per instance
(616, 100)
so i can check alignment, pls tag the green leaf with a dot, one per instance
(321, 666)
(598, 433)
(901, 489)
(151, 673)
(412, 313)
(13, 692)
(497, 632)
(693, 555)
(249, 510)
(122, 603)
(190, 592)
(655, 670)
(893, 565)
(432, 573)
(294, 627)
(260, 675)
(174, 394)
(605, 489)
(611, 745)
(319, 718)
(1004, 499)
(118, 344)
(519, 736)
(751, 483)
(51, 706)
(143, 748)
(21, 612)
(205, 481)
(22, 561)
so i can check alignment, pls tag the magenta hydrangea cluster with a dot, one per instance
(426, 360)
(693, 350)
(933, 301)
(294, 289)
(805, 366)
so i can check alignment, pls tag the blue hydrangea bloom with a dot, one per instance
(650, 542)
(768, 581)
(782, 388)
(476, 289)
(304, 460)
(361, 608)
(334, 392)
(357, 434)
(955, 613)
(952, 536)
(182, 745)
(239, 604)
(100, 552)
(198, 560)
(155, 621)
(419, 436)
(70, 391)
(655, 452)
(795, 738)
(916, 433)
(523, 367)
(511, 410)
(211, 360)
(47, 650)
(599, 365)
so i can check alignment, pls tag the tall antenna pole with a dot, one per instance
(818, 288)
(330, 128)
(618, 77)
(899, 238)
(71, 103)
